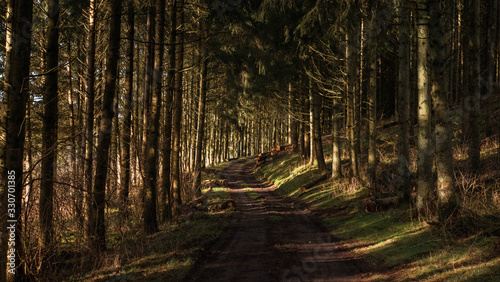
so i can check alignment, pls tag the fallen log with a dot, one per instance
(201, 199)
(313, 183)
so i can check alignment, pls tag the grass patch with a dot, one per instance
(394, 243)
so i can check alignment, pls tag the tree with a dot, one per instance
(166, 195)
(447, 199)
(150, 222)
(104, 140)
(316, 128)
(89, 135)
(201, 107)
(16, 84)
(177, 113)
(425, 147)
(127, 114)
(404, 102)
(49, 132)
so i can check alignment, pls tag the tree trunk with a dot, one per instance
(49, 131)
(425, 148)
(150, 182)
(17, 62)
(201, 109)
(404, 103)
(177, 114)
(104, 140)
(472, 102)
(372, 122)
(316, 122)
(447, 199)
(127, 113)
(90, 94)
(336, 152)
(166, 195)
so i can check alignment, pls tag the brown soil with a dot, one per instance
(273, 239)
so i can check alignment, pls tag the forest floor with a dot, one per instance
(273, 239)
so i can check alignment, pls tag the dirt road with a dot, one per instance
(272, 239)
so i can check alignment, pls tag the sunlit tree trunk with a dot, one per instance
(337, 148)
(425, 147)
(89, 134)
(49, 131)
(104, 139)
(316, 128)
(447, 199)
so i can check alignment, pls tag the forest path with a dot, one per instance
(272, 239)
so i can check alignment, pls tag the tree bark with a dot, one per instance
(425, 148)
(404, 103)
(17, 62)
(447, 198)
(104, 139)
(150, 181)
(201, 109)
(127, 112)
(336, 158)
(177, 114)
(90, 95)
(316, 122)
(49, 130)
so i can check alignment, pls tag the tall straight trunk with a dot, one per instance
(447, 199)
(316, 128)
(336, 152)
(311, 106)
(472, 102)
(351, 100)
(148, 81)
(98, 241)
(166, 195)
(372, 122)
(177, 113)
(404, 103)
(49, 130)
(306, 130)
(425, 148)
(200, 134)
(150, 181)
(302, 139)
(89, 134)
(17, 62)
(293, 120)
(491, 58)
(127, 112)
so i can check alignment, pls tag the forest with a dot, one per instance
(149, 140)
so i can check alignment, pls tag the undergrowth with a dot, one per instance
(396, 244)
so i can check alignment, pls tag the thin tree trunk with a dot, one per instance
(425, 148)
(90, 94)
(372, 122)
(201, 110)
(166, 195)
(316, 122)
(472, 102)
(177, 114)
(150, 182)
(49, 131)
(104, 140)
(127, 113)
(404, 103)
(336, 156)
